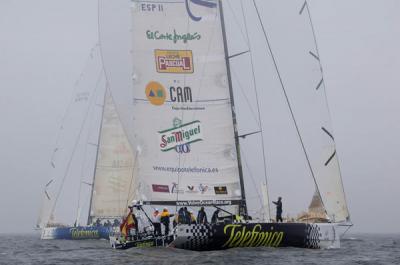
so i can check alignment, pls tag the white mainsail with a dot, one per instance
(114, 181)
(180, 118)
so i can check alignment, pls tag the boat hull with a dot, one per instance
(117, 242)
(224, 236)
(76, 233)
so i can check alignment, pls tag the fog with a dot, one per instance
(45, 44)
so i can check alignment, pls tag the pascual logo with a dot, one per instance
(174, 36)
(155, 93)
(205, 3)
(180, 136)
(177, 62)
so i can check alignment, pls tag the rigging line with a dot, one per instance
(258, 105)
(252, 179)
(326, 97)
(86, 150)
(99, 138)
(131, 182)
(76, 145)
(237, 54)
(243, 206)
(235, 18)
(286, 96)
(81, 180)
(243, 136)
(245, 96)
(71, 101)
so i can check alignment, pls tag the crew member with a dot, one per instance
(214, 218)
(202, 216)
(165, 215)
(157, 222)
(278, 209)
(187, 217)
(192, 217)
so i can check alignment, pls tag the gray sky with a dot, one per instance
(44, 45)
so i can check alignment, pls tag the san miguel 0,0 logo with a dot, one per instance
(171, 61)
(180, 135)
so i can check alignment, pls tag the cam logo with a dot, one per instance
(171, 61)
(155, 93)
(180, 136)
(205, 3)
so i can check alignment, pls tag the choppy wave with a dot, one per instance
(359, 249)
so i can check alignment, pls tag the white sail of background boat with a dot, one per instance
(169, 72)
(92, 165)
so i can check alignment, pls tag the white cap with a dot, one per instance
(134, 202)
(156, 210)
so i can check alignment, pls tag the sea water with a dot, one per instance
(356, 249)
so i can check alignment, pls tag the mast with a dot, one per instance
(243, 205)
(89, 221)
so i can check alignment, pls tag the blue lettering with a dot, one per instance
(205, 3)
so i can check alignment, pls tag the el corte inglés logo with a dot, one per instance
(171, 61)
(174, 36)
(180, 134)
(155, 93)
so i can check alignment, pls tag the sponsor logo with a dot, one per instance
(180, 134)
(76, 233)
(182, 148)
(221, 190)
(175, 37)
(204, 3)
(187, 108)
(204, 203)
(180, 94)
(175, 188)
(160, 188)
(155, 93)
(242, 236)
(191, 189)
(172, 61)
(151, 7)
(145, 244)
(192, 170)
(203, 188)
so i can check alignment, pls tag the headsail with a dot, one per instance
(179, 120)
(114, 181)
(298, 69)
